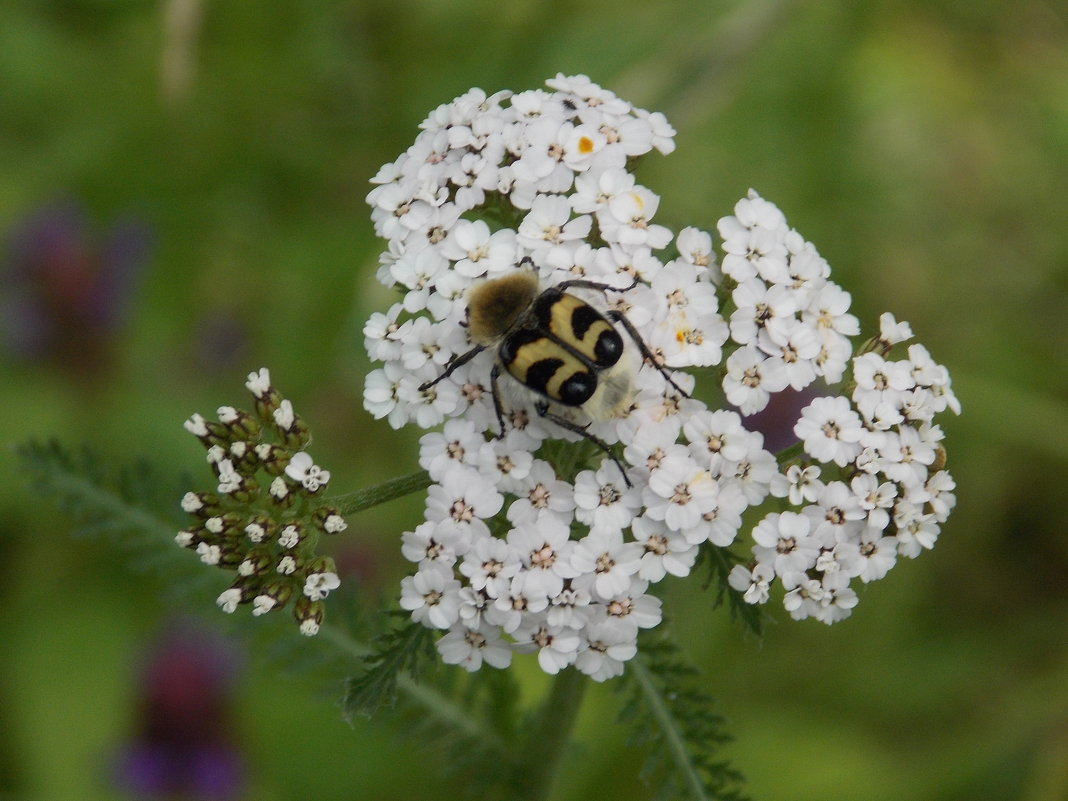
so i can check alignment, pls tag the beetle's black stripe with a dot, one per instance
(570, 329)
(582, 318)
(543, 307)
(541, 372)
(516, 341)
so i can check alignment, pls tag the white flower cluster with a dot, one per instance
(517, 553)
(793, 324)
(891, 500)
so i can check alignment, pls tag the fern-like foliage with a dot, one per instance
(134, 508)
(468, 720)
(718, 562)
(473, 726)
(673, 719)
(407, 649)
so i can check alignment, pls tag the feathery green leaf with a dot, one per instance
(719, 562)
(120, 506)
(673, 718)
(406, 649)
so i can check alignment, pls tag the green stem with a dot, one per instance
(673, 737)
(551, 736)
(380, 493)
(343, 641)
(442, 707)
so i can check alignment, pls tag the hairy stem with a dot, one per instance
(550, 737)
(380, 493)
(673, 736)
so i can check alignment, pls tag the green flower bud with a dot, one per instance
(280, 493)
(247, 492)
(291, 535)
(256, 561)
(240, 424)
(281, 590)
(321, 564)
(328, 519)
(266, 405)
(188, 538)
(273, 458)
(260, 529)
(309, 615)
(231, 555)
(201, 504)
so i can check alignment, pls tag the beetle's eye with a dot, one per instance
(578, 389)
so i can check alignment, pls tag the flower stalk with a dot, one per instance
(550, 737)
(390, 490)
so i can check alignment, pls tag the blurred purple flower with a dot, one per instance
(776, 421)
(184, 746)
(65, 291)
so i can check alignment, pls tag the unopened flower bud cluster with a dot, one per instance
(264, 518)
(526, 547)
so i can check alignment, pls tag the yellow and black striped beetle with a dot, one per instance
(555, 344)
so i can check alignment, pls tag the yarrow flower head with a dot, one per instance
(263, 520)
(555, 328)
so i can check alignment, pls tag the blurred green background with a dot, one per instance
(921, 145)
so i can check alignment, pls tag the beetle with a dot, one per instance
(555, 344)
